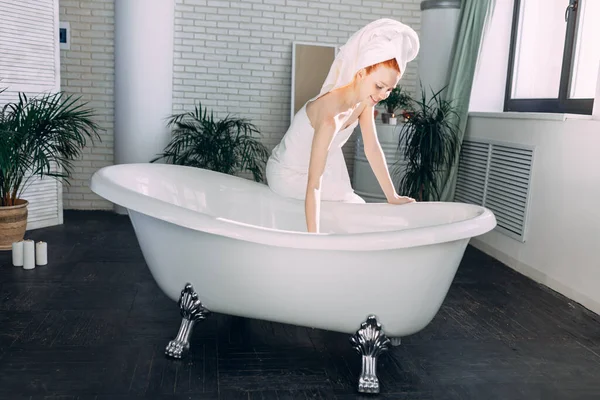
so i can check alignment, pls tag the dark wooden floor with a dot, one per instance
(93, 325)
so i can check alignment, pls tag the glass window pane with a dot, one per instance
(539, 49)
(586, 60)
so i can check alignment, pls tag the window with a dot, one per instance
(554, 60)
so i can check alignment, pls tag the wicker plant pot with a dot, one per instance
(13, 223)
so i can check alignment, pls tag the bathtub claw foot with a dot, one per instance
(191, 310)
(175, 348)
(369, 341)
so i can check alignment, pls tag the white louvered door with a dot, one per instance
(497, 175)
(30, 63)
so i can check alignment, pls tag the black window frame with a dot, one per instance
(561, 104)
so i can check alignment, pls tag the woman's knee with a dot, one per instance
(285, 183)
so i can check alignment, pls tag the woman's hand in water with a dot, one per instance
(397, 199)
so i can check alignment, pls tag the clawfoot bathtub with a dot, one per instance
(219, 243)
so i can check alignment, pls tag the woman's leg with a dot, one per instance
(285, 182)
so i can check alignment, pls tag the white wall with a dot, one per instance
(233, 56)
(561, 247)
(562, 243)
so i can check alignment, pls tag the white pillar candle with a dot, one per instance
(41, 253)
(393, 120)
(17, 254)
(28, 254)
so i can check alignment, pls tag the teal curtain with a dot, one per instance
(474, 18)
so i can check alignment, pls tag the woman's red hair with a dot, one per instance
(391, 63)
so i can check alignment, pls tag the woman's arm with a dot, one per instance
(376, 157)
(318, 158)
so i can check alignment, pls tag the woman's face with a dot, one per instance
(378, 84)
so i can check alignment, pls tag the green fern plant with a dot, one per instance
(227, 145)
(429, 141)
(41, 136)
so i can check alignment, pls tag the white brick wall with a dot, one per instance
(87, 70)
(233, 56)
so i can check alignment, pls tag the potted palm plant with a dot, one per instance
(227, 145)
(429, 141)
(399, 99)
(39, 137)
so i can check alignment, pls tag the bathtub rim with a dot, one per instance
(125, 197)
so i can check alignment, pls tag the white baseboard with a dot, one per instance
(537, 276)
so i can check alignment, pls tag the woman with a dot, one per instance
(308, 163)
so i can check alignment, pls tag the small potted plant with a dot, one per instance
(399, 99)
(39, 137)
(228, 145)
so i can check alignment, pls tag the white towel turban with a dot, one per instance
(378, 41)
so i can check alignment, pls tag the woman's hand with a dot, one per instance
(397, 199)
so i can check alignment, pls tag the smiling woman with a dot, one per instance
(308, 163)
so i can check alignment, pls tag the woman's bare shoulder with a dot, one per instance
(366, 111)
(321, 111)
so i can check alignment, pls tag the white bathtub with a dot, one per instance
(246, 251)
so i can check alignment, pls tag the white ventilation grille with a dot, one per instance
(30, 63)
(497, 176)
(472, 172)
